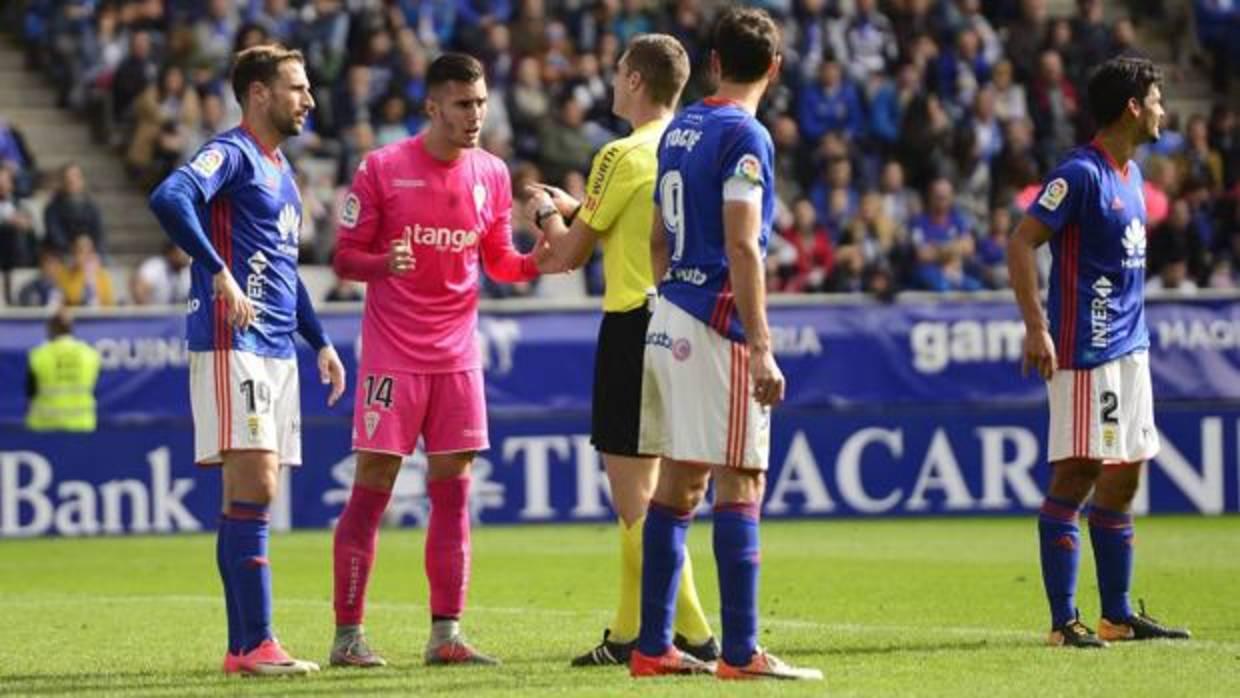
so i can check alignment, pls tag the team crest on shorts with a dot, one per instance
(1056, 191)
(208, 162)
(1109, 436)
(682, 349)
(252, 424)
(371, 421)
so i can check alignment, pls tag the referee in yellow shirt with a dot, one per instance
(618, 210)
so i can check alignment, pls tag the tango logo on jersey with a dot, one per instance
(1134, 245)
(749, 168)
(442, 238)
(208, 162)
(1100, 313)
(683, 138)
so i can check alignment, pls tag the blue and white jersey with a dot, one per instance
(1096, 299)
(253, 219)
(704, 147)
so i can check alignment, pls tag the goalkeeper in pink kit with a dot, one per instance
(421, 215)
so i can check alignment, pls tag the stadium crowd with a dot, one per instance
(909, 133)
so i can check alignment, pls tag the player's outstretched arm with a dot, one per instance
(742, 221)
(331, 370)
(1039, 351)
(500, 260)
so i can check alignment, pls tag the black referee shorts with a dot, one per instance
(616, 415)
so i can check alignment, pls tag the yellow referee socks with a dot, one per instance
(690, 619)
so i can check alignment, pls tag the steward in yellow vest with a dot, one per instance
(61, 380)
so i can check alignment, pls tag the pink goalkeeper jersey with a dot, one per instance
(453, 212)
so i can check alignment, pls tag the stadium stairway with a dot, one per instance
(57, 136)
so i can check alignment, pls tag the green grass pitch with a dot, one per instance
(885, 608)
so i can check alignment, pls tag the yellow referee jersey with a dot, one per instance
(619, 206)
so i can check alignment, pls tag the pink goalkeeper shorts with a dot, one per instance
(392, 409)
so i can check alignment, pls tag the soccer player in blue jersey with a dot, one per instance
(1093, 351)
(235, 209)
(711, 378)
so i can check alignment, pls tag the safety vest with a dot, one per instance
(65, 371)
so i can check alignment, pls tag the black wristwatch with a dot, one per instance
(544, 215)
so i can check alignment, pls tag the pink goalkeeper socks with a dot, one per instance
(447, 546)
(354, 551)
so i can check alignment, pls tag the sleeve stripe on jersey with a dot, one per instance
(611, 172)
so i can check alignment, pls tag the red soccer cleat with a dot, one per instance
(766, 666)
(673, 662)
(269, 659)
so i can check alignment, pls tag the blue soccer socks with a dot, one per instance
(1060, 539)
(737, 558)
(222, 560)
(663, 553)
(247, 533)
(1110, 533)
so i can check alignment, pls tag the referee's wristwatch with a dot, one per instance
(543, 214)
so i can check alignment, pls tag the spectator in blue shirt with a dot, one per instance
(960, 71)
(836, 183)
(830, 104)
(942, 242)
(887, 106)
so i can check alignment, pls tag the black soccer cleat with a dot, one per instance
(607, 653)
(1139, 626)
(708, 651)
(1074, 633)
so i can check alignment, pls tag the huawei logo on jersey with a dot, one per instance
(445, 239)
(289, 223)
(1134, 245)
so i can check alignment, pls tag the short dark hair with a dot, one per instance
(453, 67)
(663, 65)
(1115, 82)
(60, 323)
(747, 41)
(259, 64)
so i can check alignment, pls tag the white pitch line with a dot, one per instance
(964, 631)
